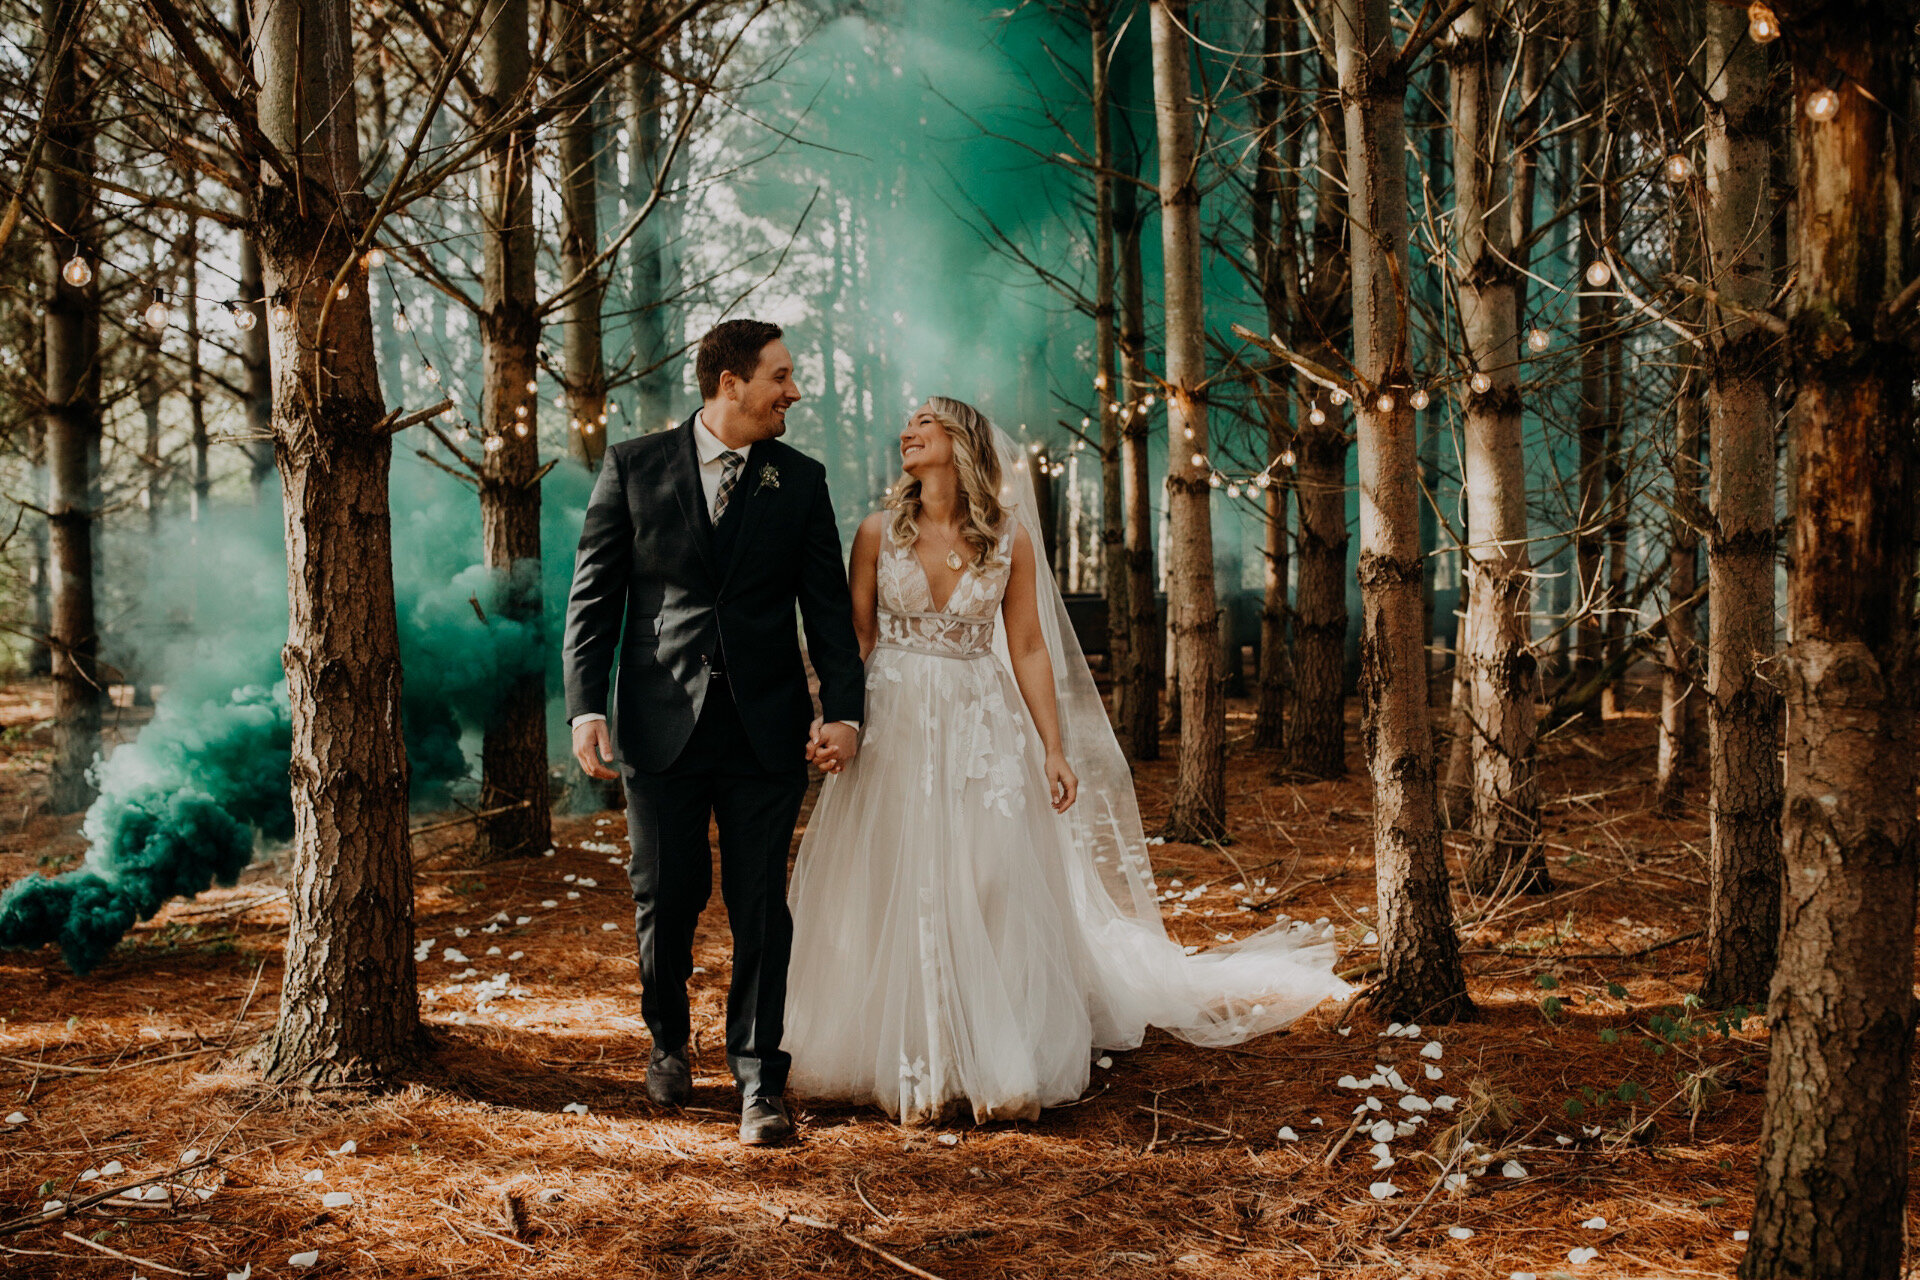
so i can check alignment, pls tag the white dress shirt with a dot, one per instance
(707, 447)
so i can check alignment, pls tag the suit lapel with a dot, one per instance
(683, 473)
(754, 506)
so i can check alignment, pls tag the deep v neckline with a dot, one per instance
(926, 579)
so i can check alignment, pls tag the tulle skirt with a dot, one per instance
(954, 946)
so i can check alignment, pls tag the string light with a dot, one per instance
(1085, 423)
(433, 375)
(1215, 480)
(1679, 168)
(1286, 457)
(1823, 104)
(520, 428)
(243, 317)
(1338, 396)
(1539, 339)
(283, 313)
(494, 444)
(1420, 399)
(77, 272)
(1198, 460)
(1233, 491)
(401, 324)
(1762, 26)
(1385, 403)
(1316, 415)
(1262, 481)
(1480, 382)
(158, 313)
(341, 292)
(463, 435)
(532, 386)
(520, 411)
(1034, 447)
(1186, 433)
(1599, 273)
(374, 257)
(1148, 401)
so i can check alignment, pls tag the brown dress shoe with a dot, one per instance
(670, 1078)
(764, 1122)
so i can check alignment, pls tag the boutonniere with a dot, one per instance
(769, 477)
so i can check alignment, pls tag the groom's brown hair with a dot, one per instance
(732, 346)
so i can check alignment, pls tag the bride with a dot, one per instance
(974, 912)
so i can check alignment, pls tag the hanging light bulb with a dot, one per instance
(158, 313)
(77, 272)
(282, 312)
(1316, 415)
(463, 435)
(1233, 491)
(1033, 447)
(243, 317)
(1286, 457)
(1538, 339)
(1762, 26)
(1678, 167)
(494, 443)
(341, 293)
(520, 411)
(1100, 381)
(1215, 480)
(433, 375)
(1198, 460)
(573, 423)
(1823, 104)
(532, 386)
(1148, 401)
(401, 324)
(1480, 382)
(1599, 273)
(1419, 399)
(1385, 403)
(586, 429)
(1338, 396)
(520, 428)
(1186, 433)
(1262, 480)
(374, 257)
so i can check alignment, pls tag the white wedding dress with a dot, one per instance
(957, 942)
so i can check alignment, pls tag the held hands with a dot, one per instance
(593, 748)
(1063, 785)
(833, 746)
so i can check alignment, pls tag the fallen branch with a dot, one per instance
(1353, 1127)
(124, 1257)
(1674, 941)
(787, 1215)
(68, 1210)
(472, 817)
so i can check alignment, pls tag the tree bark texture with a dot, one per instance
(513, 751)
(72, 353)
(1502, 673)
(1832, 1188)
(1140, 709)
(349, 1007)
(579, 155)
(1275, 249)
(1317, 731)
(1113, 498)
(196, 388)
(1743, 701)
(647, 299)
(1420, 971)
(1198, 811)
(1595, 151)
(1681, 673)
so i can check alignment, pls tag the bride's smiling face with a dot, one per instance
(924, 443)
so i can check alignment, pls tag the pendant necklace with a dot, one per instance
(954, 562)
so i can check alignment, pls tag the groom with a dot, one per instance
(697, 545)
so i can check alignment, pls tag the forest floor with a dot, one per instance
(1621, 1120)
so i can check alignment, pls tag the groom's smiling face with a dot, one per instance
(758, 405)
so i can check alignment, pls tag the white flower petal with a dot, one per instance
(1595, 1224)
(1431, 1050)
(304, 1260)
(313, 1175)
(337, 1199)
(1287, 1134)
(1513, 1169)
(1581, 1256)
(1460, 1233)
(1383, 1190)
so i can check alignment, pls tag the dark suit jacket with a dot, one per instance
(648, 560)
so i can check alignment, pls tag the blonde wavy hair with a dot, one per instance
(977, 464)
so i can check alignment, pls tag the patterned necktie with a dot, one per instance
(730, 476)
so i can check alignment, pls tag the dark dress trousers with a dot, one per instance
(692, 627)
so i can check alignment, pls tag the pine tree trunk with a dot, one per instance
(1831, 1197)
(1199, 808)
(196, 390)
(1113, 498)
(1681, 668)
(1594, 161)
(513, 749)
(1317, 731)
(39, 571)
(1140, 710)
(255, 370)
(1273, 250)
(349, 1006)
(579, 183)
(72, 353)
(646, 279)
(1743, 704)
(1502, 674)
(1420, 973)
